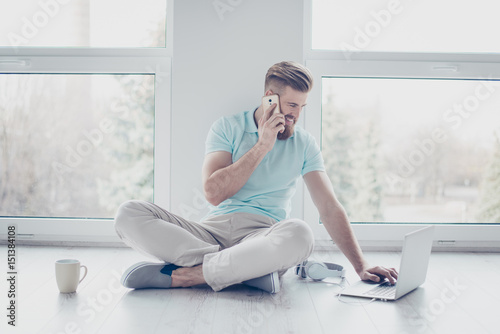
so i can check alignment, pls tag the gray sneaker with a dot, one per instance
(269, 282)
(144, 275)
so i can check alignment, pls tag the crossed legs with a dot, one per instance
(220, 252)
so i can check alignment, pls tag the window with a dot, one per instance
(75, 145)
(413, 150)
(85, 113)
(407, 116)
(83, 23)
(405, 26)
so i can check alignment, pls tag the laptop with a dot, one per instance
(412, 270)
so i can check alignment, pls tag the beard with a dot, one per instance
(287, 133)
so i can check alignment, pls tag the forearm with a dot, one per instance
(339, 229)
(227, 181)
(335, 220)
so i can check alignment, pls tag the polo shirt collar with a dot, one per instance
(250, 122)
(250, 125)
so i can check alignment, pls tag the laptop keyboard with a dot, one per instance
(382, 290)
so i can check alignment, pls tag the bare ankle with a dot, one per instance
(186, 277)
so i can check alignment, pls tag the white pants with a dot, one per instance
(232, 248)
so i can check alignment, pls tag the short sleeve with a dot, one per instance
(219, 137)
(313, 160)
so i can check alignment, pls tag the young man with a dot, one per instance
(252, 164)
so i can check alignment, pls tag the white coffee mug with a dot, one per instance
(68, 275)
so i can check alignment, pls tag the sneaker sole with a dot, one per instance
(275, 282)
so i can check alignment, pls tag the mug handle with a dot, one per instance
(86, 270)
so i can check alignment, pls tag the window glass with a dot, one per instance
(82, 23)
(413, 150)
(406, 26)
(75, 145)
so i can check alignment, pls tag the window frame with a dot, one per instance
(60, 60)
(394, 65)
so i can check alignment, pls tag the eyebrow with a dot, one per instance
(297, 104)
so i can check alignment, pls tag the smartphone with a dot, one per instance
(269, 100)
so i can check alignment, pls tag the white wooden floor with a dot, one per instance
(461, 295)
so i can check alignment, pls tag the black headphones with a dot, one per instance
(319, 270)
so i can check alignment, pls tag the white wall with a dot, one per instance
(218, 69)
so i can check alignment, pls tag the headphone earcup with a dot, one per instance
(316, 270)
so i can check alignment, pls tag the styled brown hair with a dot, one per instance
(288, 73)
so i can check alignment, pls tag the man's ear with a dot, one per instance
(268, 92)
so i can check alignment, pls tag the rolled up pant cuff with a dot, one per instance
(214, 274)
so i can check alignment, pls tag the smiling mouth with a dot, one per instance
(289, 119)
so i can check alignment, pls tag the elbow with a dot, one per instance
(213, 200)
(212, 195)
(332, 214)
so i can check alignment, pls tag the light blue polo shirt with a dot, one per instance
(270, 188)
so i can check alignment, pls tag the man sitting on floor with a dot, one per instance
(252, 164)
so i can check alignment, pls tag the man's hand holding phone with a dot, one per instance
(272, 121)
(269, 100)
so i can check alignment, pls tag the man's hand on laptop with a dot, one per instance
(378, 274)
